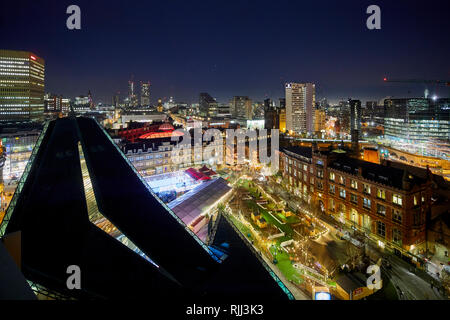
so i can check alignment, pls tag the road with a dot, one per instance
(406, 281)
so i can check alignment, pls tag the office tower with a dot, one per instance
(145, 94)
(159, 106)
(417, 120)
(91, 102)
(241, 108)
(300, 102)
(355, 115)
(207, 105)
(282, 119)
(223, 110)
(355, 122)
(319, 120)
(65, 105)
(116, 100)
(132, 99)
(82, 104)
(271, 115)
(371, 106)
(52, 103)
(257, 111)
(22, 76)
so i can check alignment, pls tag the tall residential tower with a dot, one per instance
(300, 101)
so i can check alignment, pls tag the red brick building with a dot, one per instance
(387, 203)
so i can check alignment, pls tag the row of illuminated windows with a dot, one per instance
(13, 81)
(12, 60)
(11, 68)
(13, 74)
(397, 215)
(381, 194)
(14, 112)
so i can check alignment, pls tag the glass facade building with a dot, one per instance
(417, 120)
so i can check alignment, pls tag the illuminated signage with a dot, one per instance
(33, 57)
(322, 296)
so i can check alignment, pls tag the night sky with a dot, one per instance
(231, 48)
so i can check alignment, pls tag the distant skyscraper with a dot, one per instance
(300, 102)
(22, 76)
(241, 107)
(52, 103)
(223, 110)
(145, 94)
(82, 104)
(132, 99)
(355, 122)
(116, 100)
(208, 105)
(319, 120)
(271, 115)
(282, 119)
(91, 101)
(160, 107)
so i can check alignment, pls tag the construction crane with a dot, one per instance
(436, 82)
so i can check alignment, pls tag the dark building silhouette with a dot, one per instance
(81, 202)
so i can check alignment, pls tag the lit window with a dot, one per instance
(332, 176)
(366, 188)
(381, 194)
(397, 199)
(342, 193)
(367, 203)
(332, 189)
(354, 184)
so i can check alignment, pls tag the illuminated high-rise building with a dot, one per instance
(160, 107)
(22, 75)
(208, 105)
(91, 101)
(241, 107)
(355, 122)
(145, 94)
(300, 102)
(52, 103)
(132, 99)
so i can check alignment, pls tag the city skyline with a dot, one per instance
(282, 150)
(169, 45)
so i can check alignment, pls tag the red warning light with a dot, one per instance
(33, 57)
(385, 79)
